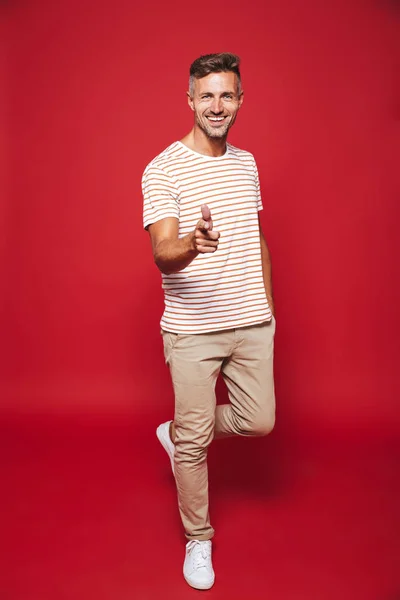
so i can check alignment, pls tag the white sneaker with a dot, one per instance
(166, 442)
(197, 568)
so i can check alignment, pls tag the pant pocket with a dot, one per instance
(169, 341)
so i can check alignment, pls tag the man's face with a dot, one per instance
(215, 103)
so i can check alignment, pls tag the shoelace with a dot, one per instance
(201, 553)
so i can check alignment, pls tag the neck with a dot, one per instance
(198, 141)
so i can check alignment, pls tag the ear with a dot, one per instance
(190, 100)
(241, 98)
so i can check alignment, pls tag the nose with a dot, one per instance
(216, 106)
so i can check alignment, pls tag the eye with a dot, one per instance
(228, 97)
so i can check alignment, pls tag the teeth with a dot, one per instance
(216, 118)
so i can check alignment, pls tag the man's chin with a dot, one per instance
(216, 135)
(217, 132)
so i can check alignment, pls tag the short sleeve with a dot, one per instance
(259, 200)
(160, 196)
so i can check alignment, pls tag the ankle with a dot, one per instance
(172, 432)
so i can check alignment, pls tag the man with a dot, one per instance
(219, 308)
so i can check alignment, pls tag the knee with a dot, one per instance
(260, 425)
(265, 425)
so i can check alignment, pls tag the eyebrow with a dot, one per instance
(221, 94)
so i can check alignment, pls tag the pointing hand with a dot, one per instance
(205, 239)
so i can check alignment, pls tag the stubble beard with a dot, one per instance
(214, 132)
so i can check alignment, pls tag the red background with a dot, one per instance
(95, 91)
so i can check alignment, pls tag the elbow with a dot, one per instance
(166, 271)
(162, 266)
(160, 261)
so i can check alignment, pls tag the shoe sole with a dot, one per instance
(164, 444)
(205, 586)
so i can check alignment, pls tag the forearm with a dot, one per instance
(172, 253)
(267, 272)
(172, 256)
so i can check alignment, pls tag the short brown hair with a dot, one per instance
(214, 63)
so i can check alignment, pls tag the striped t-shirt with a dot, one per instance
(224, 289)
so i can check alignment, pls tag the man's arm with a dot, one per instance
(171, 253)
(267, 270)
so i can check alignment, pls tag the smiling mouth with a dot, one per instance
(216, 119)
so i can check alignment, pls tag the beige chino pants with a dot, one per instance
(244, 356)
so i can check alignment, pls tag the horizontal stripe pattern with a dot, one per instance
(223, 290)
